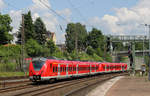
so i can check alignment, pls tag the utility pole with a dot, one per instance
(133, 55)
(149, 52)
(76, 38)
(22, 44)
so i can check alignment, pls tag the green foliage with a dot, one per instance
(138, 45)
(33, 49)
(85, 57)
(58, 53)
(95, 39)
(90, 50)
(97, 58)
(51, 46)
(9, 50)
(28, 28)
(108, 58)
(118, 46)
(40, 31)
(122, 58)
(74, 55)
(11, 74)
(9, 57)
(99, 52)
(5, 28)
(75, 32)
(146, 59)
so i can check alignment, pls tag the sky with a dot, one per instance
(112, 17)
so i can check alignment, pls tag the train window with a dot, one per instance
(69, 69)
(38, 64)
(53, 69)
(56, 68)
(65, 68)
(50, 65)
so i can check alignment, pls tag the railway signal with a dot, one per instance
(130, 56)
(108, 44)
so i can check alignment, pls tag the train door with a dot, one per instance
(97, 67)
(107, 67)
(103, 67)
(70, 69)
(88, 68)
(55, 69)
(77, 71)
(74, 68)
(113, 67)
(62, 69)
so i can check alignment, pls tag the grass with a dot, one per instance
(11, 74)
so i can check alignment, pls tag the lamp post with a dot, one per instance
(149, 52)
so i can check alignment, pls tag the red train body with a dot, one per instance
(42, 69)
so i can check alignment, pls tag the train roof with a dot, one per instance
(54, 59)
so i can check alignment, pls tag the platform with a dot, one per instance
(130, 86)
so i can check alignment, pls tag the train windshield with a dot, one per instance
(37, 64)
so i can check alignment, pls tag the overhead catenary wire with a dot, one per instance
(79, 12)
(73, 6)
(10, 5)
(57, 14)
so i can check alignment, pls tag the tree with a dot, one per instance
(118, 46)
(75, 32)
(138, 45)
(5, 28)
(95, 39)
(28, 28)
(90, 50)
(19, 36)
(33, 48)
(40, 31)
(51, 46)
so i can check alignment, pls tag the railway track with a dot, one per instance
(58, 87)
(12, 82)
(52, 87)
(14, 88)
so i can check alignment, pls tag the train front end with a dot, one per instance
(36, 69)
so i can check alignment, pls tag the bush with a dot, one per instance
(108, 58)
(97, 58)
(85, 57)
(33, 49)
(90, 50)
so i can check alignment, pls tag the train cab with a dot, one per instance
(36, 68)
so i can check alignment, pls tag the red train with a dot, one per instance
(44, 69)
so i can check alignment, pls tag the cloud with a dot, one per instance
(65, 13)
(35, 16)
(39, 10)
(126, 21)
(40, 5)
(2, 5)
(16, 20)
